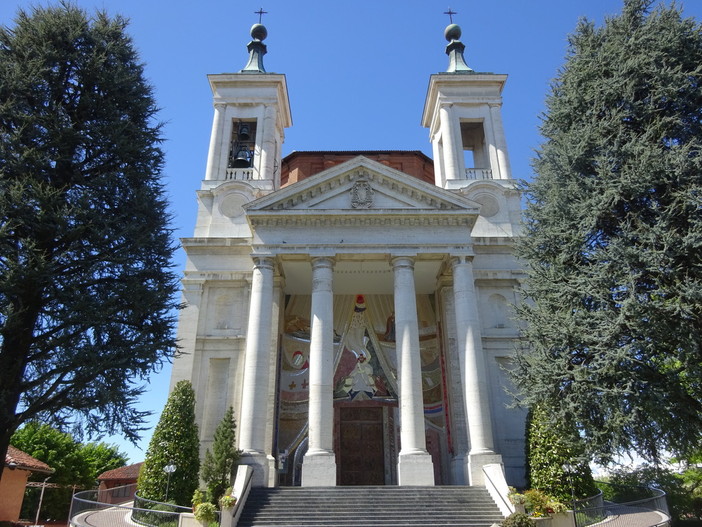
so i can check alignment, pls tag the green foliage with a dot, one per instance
(612, 238)
(206, 512)
(102, 457)
(198, 498)
(74, 464)
(86, 287)
(518, 519)
(555, 458)
(218, 465)
(536, 502)
(227, 501)
(161, 515)
(175, 442)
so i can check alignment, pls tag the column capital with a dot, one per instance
(263, 262)
(461, 259)
(319, 262)
(400, 261)
(220, 105)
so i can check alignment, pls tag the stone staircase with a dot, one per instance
(389, 506)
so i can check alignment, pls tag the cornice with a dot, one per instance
(363, 218)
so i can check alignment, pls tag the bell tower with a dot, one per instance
(252, 111)
(463, 114)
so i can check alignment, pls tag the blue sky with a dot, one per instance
(357, 75)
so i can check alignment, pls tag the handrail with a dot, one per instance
(140, 498)
(655, 503)
(242, 487)
(507, 507)
(97, 500)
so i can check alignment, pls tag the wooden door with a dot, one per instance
(361, 457)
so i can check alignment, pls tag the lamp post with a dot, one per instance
(41, 499)
(168, 469)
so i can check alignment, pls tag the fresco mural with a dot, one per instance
(365, 376)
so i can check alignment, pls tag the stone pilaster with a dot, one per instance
(184, 365)
(477, 397)
(216, 141)
(505, 170)
(450, 140)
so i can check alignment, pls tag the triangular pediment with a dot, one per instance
(361, 185)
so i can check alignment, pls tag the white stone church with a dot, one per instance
(354, 308)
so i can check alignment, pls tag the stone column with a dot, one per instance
(254, 415)
(450, 140)
(216, 141)
(319, 463)
(477, 397)
(415, 466)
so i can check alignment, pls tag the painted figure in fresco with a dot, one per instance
(390, 328)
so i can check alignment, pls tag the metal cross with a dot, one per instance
(450, 13)
(261, 12)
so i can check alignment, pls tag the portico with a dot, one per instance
(385, 236)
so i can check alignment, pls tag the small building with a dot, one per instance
(122, 479)
(18, 467)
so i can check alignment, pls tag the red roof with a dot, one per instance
(129, 472)
(15, 458)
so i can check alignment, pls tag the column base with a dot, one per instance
(459, 469)
(319, 470)
(476, 462)
(263, 468)
(415, 469)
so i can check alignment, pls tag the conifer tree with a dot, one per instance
(218, 465)
(87, 295)
(175, 442)
(613, 238)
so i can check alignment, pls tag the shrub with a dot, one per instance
(555, 458)
(198, 498)
(536, 502)
(518, 519)
(206, 513)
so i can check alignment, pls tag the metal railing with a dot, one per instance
(102, 508)
(155, 513)
(120, 507)
(623, 507)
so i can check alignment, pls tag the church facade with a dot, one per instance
(354, 308)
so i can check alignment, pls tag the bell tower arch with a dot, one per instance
(251, 113)
(463, 114)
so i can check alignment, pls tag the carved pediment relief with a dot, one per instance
(362, 185)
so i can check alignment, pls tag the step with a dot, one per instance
(372, 506)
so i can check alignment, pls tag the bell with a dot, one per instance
(242, 158)
(244, 132)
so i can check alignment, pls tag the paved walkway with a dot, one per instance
(114, 516)
(628, 516)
